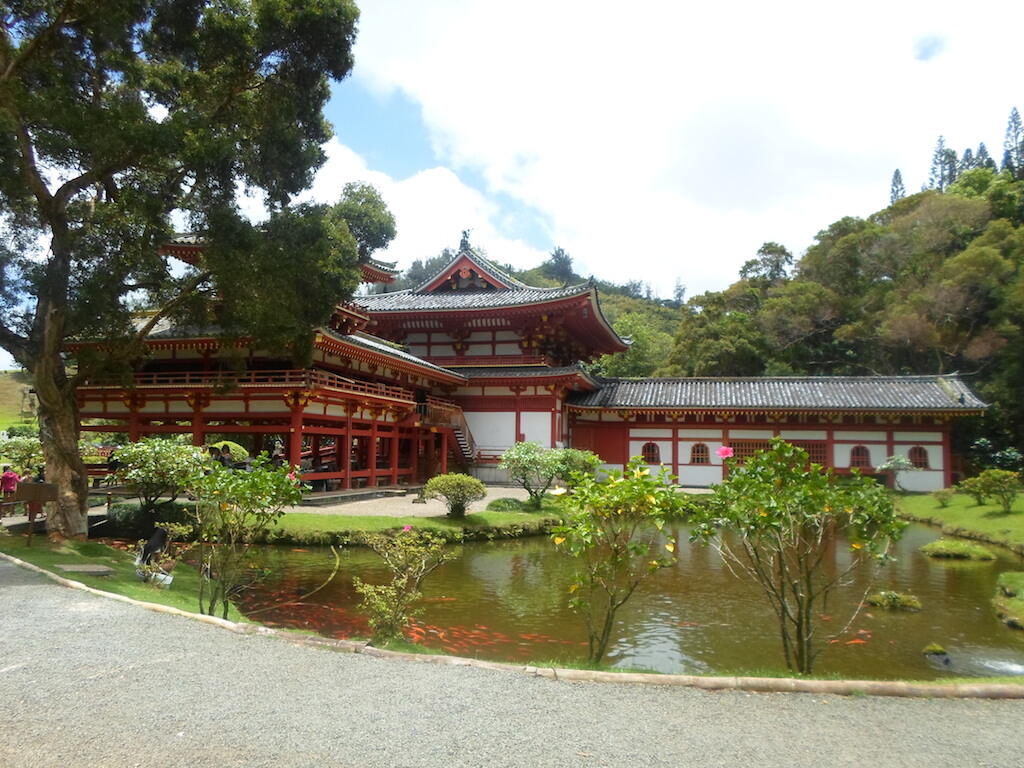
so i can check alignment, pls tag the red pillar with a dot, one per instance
(373, 451)
(295, 439)
(133, 426)
(414, 460)
(444, 453)
(394, 454)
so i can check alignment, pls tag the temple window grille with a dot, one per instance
(860, 456)
(651, 453)
(918, 457)
(699, 454)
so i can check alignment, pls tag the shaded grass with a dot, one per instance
(985, 522)
(182, 594)
(549, 505)
(306, 528)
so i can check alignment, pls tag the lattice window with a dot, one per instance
(918, 457)
(699, 454)
(860, 456)
(744, 449)
(651, 453)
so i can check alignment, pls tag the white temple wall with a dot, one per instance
(493, 431)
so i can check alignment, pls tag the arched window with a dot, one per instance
(860, 456)
(918, 457)
(699, 454)
(651, 453)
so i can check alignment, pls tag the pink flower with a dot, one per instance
(291, 476)
(406, 527)
(725, 452)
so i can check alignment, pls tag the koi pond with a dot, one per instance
(508, 601)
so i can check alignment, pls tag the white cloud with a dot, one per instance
(663, 140)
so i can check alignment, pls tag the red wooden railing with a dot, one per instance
(486, 361)
(296, 378)
(445, 413)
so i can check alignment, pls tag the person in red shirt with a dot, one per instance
(8, 484)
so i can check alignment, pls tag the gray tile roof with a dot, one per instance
(521, 371)
(409, 300)
(486, 263)
(377, 344)
(875, 393)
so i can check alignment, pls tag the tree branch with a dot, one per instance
(33, 45)
(14, 343)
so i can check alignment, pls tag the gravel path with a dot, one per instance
(87, 681)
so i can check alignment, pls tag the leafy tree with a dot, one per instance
(784, 514)
(233, 511)
(23, 453)
(559, 267)
(967, 162)
(896, 188)
(575, 464)
(155, 469)
(648, 348)
(533, 467)
(1001, 485)
(944, 166)
(982, 159)
(116, 115)
(457, 491)
(411, 556)
(613, 533)
(770, 265)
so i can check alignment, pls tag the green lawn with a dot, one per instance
(964, 518)
(11, 389)
(183, 593)
(305, 527)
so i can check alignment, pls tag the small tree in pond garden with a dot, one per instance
(574, 463)
(533, 467)
(411, 556)
(457, 490)
(785, 514)
(613, 530)
(233, 509)
(895, 465)
(154, 468)
(24, 454)
(1001, 485)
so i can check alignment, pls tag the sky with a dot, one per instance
(657, 141)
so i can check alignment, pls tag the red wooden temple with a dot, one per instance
(407, 384)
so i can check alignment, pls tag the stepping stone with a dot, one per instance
(91, 568)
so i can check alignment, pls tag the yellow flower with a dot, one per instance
(670, 546)
(856, 545)
(573, 588)
(559, 539)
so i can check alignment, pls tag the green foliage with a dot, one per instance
(233, 510)
(1001, 485)
(411, 556)
(535, 468)
(612, 531)
(785, 513)
(147, 108)
(934, 649)
(130, 520)
(24, 454)
(956, 549)
(648, 349)
(457, 490)
(972, 486)
(154, 468)
(894, 601)
(944, 496)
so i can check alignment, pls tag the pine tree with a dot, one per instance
(1013, 145)
(982, 159)
(896, 190)
(967, 161)
(943, 169)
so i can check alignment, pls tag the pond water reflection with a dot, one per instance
(509, 601)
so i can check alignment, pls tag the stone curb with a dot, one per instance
(750, 684)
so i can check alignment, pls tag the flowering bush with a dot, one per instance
(786, 512)
(411, 556)
(535, 468)
(613, 533)
(232, 510)
(154, 468)
(457, 491)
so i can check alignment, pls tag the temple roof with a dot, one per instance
(410, 300)
(382, 347)
(874, 393)
(527, 372)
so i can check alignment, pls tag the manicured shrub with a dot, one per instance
(1001, 485)
(972, 487)
(457, 490)
(944, 496)
(956, 549)
(129, 520)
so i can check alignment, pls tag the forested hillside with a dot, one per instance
(932, 284)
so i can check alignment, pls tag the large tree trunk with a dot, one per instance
(58, 432)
